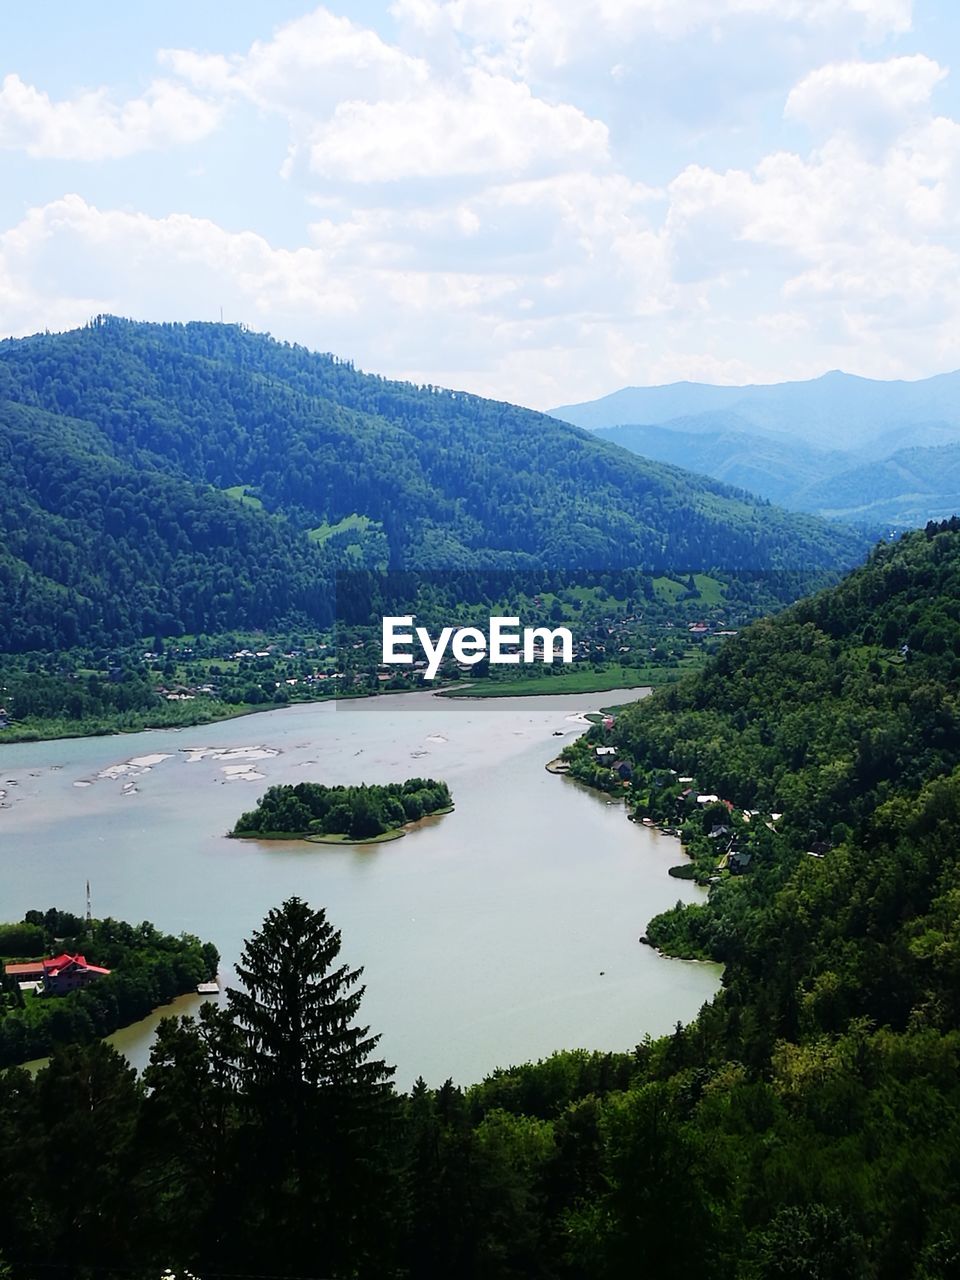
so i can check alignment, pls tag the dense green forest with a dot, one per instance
(828, 714)
(148, 968)
(312, 809)
(185, 479)
(715, 1153)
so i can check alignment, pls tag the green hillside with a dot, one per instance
(834, 716)
(185, 478)
(910, 487)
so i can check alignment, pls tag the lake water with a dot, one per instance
(494, 935)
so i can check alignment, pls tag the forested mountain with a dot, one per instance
(99, 548)
(841, 716)
(910, 487)
(183, 478)
(779, 470)
(904, 489)
(834, 411)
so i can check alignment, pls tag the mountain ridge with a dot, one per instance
(145, 435)
(834, 409)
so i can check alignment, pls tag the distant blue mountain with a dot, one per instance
(903, 490)
(776, 469)
(835, 412)
(875, 453)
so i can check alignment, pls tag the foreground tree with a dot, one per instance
(318, 1106)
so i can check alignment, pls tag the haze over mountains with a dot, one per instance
(867, 451)
(186, 478)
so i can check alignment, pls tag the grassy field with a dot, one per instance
(569, 682)
(239, 491)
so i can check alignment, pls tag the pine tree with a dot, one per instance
(319, 1107)
(297, 1012)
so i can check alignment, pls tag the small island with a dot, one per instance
(344, 815)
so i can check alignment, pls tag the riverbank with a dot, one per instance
(60, 730)
(562, 683)
(198, 713)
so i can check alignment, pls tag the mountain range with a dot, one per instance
(879, 454)
(171, 479)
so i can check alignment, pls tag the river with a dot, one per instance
(493, 935)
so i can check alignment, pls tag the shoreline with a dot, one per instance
(560, 768)
(337, 837)
(38, 735)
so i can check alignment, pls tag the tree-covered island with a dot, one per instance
(342, 814)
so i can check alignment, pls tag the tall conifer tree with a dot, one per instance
(318, 1105)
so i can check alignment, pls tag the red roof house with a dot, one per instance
(65, 973)
(59, 974)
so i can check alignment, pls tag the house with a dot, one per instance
(739, 861)
(604, 754)
(66, 973)
(623, 769)
(58, 974)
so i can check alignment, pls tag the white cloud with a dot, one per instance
(490, 125)
(371, 285)
(306, 68)
(873, 99)
(530, 36)
(476, 224)
(92, 127)
(362, 110)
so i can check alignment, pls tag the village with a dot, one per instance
(720, 838)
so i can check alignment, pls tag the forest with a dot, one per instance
(312, 809)
(266, 1139)
(163, 480)
(830, 714)
(148, 968)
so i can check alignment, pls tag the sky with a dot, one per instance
(536, 200)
